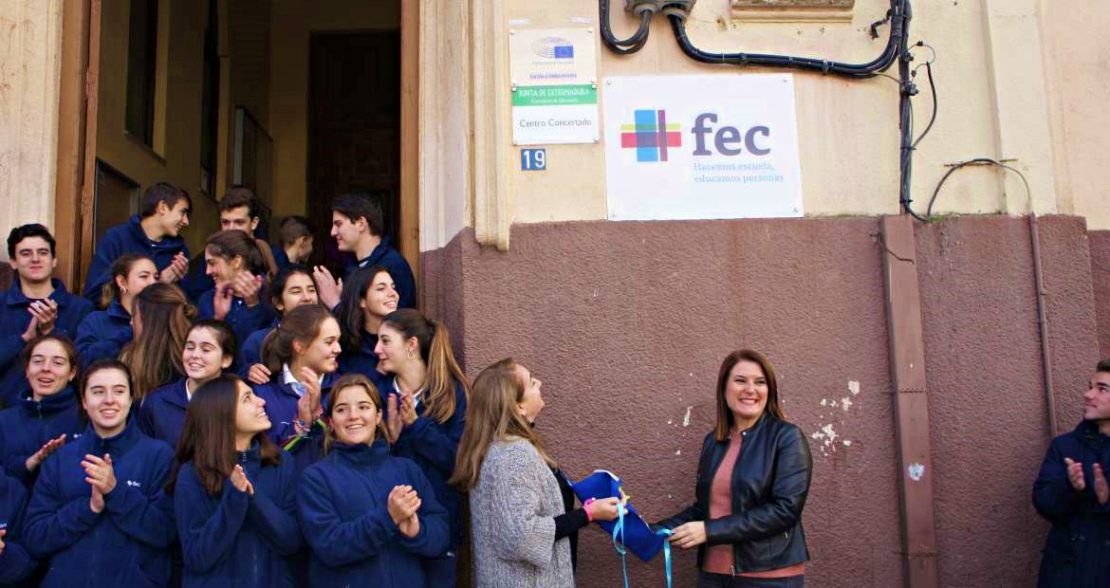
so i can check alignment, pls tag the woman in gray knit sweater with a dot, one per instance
(518, 521)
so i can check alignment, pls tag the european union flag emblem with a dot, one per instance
(564, 52)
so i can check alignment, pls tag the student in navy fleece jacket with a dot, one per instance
(35, 304)
(155, 232)
(235, 493)
(302, 354)
(209, 349)
(98, 512)
(47, 414)
(104, 333)
(16, 564)
(369, 517)
(426, 394)
(235, 263)
(292, 287)
(369, 294)
(357, 226)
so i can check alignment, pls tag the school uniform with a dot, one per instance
(242, 319)
(129, 237)
(433, 447)
(361, 360)
(250, 351)
(343, 508)
(232, 539)
(125, 544)
(14, 318)
(162, 415)
(389, 258)
(16, 565)
(27, 426)
(103, 334)
(281, 394)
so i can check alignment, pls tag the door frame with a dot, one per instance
(74, 191)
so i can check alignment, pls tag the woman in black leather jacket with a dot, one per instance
(753, 478)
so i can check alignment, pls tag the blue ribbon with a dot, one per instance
(618, 542)
(666, 552)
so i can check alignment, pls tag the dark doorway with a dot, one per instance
(354, 127)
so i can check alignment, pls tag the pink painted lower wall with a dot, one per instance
(1100, 272)
(626, 324)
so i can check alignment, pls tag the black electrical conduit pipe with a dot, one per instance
(632, 44)
(898, 15)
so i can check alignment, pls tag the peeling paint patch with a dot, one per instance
(824, 402)
(916, 471)
(853, 387)
(846, 403)
(847, 442)
(686, 419)
(679, 452)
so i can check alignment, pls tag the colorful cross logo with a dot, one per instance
(651, 136)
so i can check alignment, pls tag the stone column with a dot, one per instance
(30, 59)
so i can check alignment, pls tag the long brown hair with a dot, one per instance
(154, 356)
(302, 324)
(724, 414)
(208, 437)
(352, 381)
(435, 349)
(120, 268)
(492, 415)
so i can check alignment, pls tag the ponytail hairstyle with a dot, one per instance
(435, 349)
(277, 287)
(302, 324)
(492, 415)
(350, 314)
(353, 381)
(208, 437)
(234, 243)
(155, 355)
(120, 269)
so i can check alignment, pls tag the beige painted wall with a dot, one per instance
(30, 53)
(1016, 80)
(176, 157)
(292, 22)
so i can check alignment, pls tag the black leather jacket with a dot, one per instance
(769, 486)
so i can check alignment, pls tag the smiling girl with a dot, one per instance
(293, 287)
(233, 260)
(302, 353)
(426, 393)
(47, 414)
(369, 517)
(102, 495)
(209, 350)
(235, 492)
(104, 333)
(369, 294)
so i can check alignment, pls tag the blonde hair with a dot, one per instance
(492, 415)
(434, 344)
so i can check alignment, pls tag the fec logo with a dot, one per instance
(651, 136)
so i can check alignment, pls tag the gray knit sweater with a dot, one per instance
(512, 511)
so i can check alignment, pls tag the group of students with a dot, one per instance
(281, 427)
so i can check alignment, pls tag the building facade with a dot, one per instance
(953, 346)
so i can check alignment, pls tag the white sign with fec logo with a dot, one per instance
(702, 147)
(554, 86)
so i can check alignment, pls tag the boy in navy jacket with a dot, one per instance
(36, 304)
(357, 226)
(1071, 491)
(15, 563)
(155, 232)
